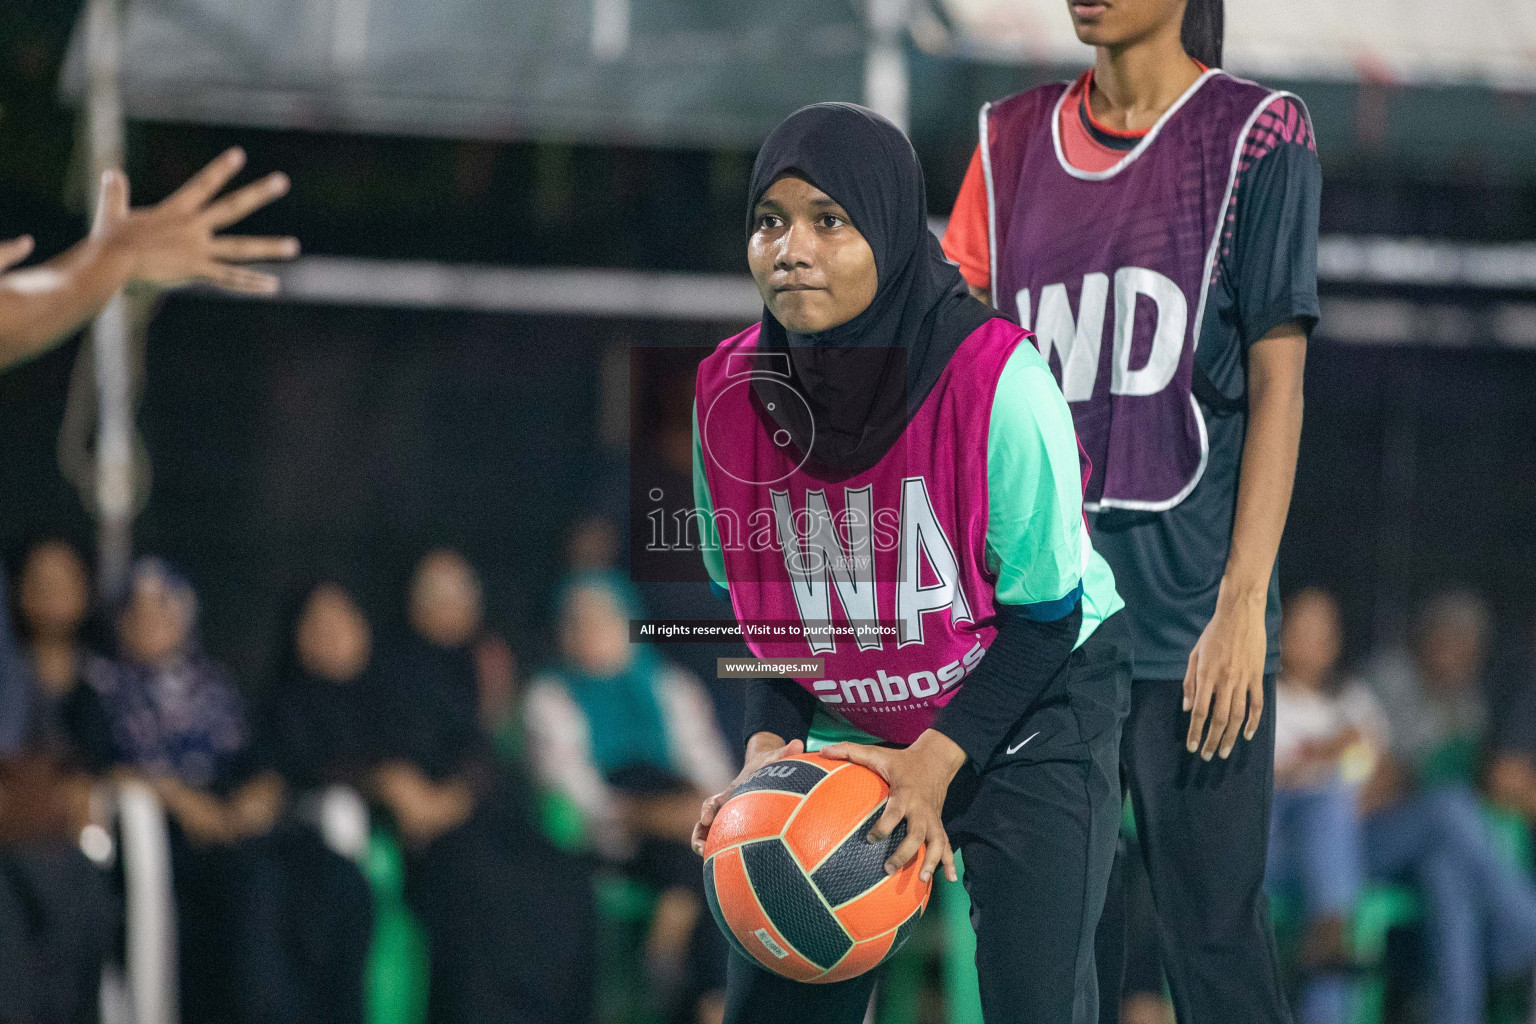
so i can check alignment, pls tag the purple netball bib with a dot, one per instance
(881, 576)
(1110, 270)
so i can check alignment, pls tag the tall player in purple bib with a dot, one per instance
(896, 487)
(1155, 223)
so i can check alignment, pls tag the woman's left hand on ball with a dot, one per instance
(919, 777)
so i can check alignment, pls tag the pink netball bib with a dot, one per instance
(881, 576)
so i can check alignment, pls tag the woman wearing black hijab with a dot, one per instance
(912, 466)
(479, 874)
(308, 902)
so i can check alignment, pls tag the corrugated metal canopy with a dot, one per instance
(722, 73)
(660, 72)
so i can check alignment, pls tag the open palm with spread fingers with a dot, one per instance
(177, 241)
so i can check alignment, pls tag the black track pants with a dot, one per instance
(1037, 829)
(1204, 834)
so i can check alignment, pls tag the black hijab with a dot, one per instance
(865, 379)
(315, 731)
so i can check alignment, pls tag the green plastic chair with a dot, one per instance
(901, 986)
(1455, 763)
(1512, 835)
(1381, 909)
(1385, 907)
(962, 986)
(624, 909)
(396, 979)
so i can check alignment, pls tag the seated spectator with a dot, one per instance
(1424, 821)
(310, 898)
(53, 603)
(173, 717)
(1326, 728)
(479, 874)
(1432, 690)
(632, 741)
(58, 914)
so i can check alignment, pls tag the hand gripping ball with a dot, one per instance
(794, 883)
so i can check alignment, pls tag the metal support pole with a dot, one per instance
(151, 955)
(150, 921)
(113, 491)
(887, 80)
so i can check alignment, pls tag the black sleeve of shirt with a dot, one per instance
(1273, 261)
(1023, 659)
(780, 706)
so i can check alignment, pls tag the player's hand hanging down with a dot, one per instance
(1224, 684)
(919, 777)
(176, 241)
(1225, 678)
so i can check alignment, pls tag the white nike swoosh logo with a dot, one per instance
(1020, 745)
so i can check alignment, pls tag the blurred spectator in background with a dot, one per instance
(479, 874)
(1326, 729)
(309, 894)
(632, 741)
(430, 729)
(174, 717)
(501, 720)
(57, 913)
(649, 498)
(1424, 820)
(53, 604)
(1432, 690)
